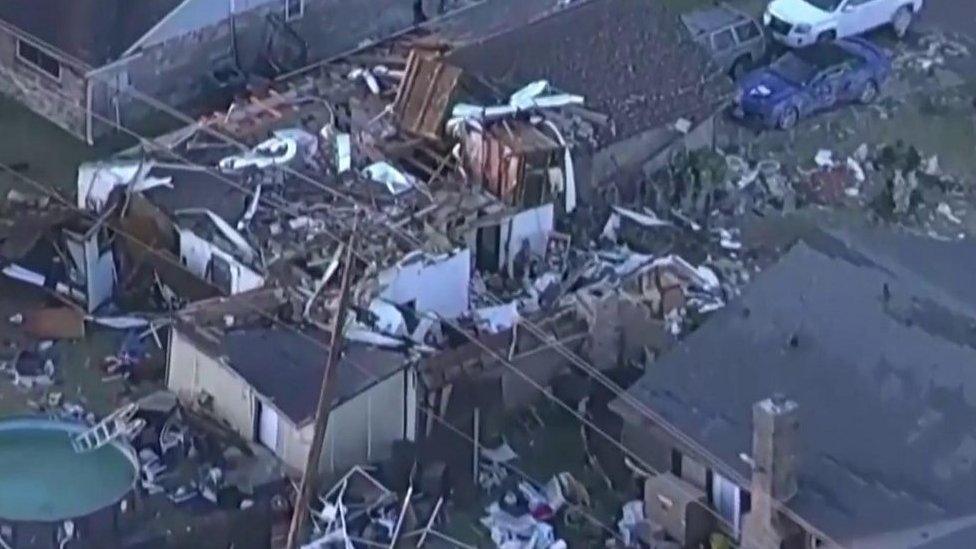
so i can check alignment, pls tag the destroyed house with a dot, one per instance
(510, 149)
(832, 402)
(57, 249)
(77, 62)
(634, 64)
(187, 215)
(441, 157)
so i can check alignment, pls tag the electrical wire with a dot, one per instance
(370, 376)
(170, 259)
(594, 373)
(561, 349)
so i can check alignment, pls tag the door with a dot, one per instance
(267, 425)
(851, 82)
(724, 47)
(826, 88)
(726, 499)
(488, 244)
(860, 16)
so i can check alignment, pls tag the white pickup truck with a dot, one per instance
(799, 23)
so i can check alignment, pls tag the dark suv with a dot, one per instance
(734, 40)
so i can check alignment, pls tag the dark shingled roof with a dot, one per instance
(287, 368)
(886, 386)
(94, 31)
(630, 59)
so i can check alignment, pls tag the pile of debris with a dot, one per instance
(934, 51)
(188, 455)
(360, 511)
(523, 514)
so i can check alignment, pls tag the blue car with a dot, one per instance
(812, 79)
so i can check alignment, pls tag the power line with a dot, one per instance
(579, 361)
(151, 250)
(573, 357)
(371, 376)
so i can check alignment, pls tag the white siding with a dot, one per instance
(181, 365)
(191, 372)
(361, 429)
(295, 444)
(440, 287)
(364, 428)
(196, 254)
(533, 225)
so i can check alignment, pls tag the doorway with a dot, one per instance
(267, 425)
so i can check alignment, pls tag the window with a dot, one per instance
(294, 9)
(723, 40)
(41, 61)
(747, 31)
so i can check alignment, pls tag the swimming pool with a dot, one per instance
(42, 479)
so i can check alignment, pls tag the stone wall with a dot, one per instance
(60, 101)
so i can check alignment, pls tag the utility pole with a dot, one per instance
(326, 396)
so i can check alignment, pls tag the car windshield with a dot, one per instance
(826, 5)
(793, 68)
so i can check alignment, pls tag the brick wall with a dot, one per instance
(60, 101)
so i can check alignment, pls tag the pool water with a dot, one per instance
(43, 479)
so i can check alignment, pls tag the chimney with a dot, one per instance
(774, 432)
(775, 427)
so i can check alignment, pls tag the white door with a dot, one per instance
(725, 495)
(267, 426)
(859, 16)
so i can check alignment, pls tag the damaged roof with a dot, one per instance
(94, 31)
(631, 60)
(874, 336)
(194, 188)
(287, 367)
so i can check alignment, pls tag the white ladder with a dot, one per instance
(105, 431)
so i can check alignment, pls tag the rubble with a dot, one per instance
(359, 509)
(465, 203)
(934, 50)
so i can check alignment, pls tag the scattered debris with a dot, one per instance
(277, 151)
(824, 158)
(395, 181)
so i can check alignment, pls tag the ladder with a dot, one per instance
(105, 431)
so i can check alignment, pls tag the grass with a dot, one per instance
(52, 154)
(79, 377)
(545, 451)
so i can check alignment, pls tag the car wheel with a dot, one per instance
(739, 68)
(869, 92)
(902, 21)
(827, 36)
(788, 119)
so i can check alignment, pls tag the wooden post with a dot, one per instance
(326, 396)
